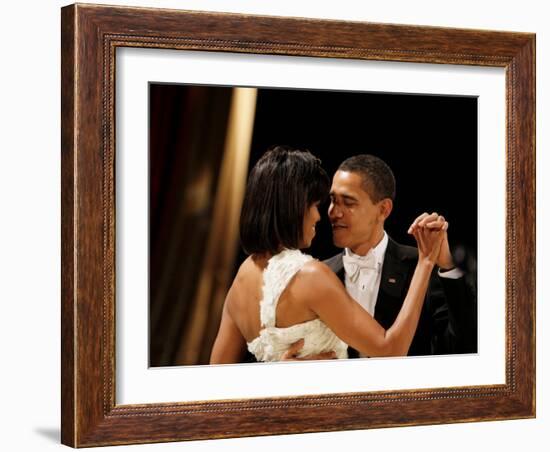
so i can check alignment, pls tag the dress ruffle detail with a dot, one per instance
(273, 342)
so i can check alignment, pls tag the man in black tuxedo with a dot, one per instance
(377, 271)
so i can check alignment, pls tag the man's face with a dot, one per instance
(357, 222)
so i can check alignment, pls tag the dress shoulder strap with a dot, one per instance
(280, 269)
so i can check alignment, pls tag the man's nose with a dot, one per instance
(334, 211)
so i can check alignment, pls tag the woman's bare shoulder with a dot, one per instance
(315, 276)
(316, 269)
(245, 280)
(247, 270)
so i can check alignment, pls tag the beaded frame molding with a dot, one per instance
(90, 36)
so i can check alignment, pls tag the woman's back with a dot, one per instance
(271, 315)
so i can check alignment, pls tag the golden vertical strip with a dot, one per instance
(223, 238)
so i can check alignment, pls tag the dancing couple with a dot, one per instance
(376, 298)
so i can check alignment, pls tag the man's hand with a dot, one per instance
(292, 353)
(433, 221)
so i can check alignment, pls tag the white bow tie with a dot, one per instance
(353, 265)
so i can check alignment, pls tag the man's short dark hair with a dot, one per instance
(378, 179)
(281, 186)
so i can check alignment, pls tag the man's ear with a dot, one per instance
(386, 206)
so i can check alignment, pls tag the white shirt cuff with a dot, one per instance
(455, 273)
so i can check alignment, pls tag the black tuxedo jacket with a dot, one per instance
(448, 322)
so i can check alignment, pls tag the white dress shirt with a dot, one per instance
(362, 283)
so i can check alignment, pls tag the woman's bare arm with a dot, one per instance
(324, 294)
(327, 297)
(230, 345)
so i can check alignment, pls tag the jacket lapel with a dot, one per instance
(336, 264)
(392, 284)
(342, 274)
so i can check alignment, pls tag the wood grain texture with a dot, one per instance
(90, 36)
(67, 228)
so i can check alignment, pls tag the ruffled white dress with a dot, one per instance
(273, 342)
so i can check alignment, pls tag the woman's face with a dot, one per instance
(311, 218)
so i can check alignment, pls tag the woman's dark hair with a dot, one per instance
(281, 186)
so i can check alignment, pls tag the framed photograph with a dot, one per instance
(333, 124)
(165, 112)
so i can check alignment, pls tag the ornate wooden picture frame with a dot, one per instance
(90, 36)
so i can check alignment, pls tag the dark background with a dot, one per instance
(430, 143)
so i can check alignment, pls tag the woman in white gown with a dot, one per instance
(281, 295)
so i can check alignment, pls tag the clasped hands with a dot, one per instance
(427, 228)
